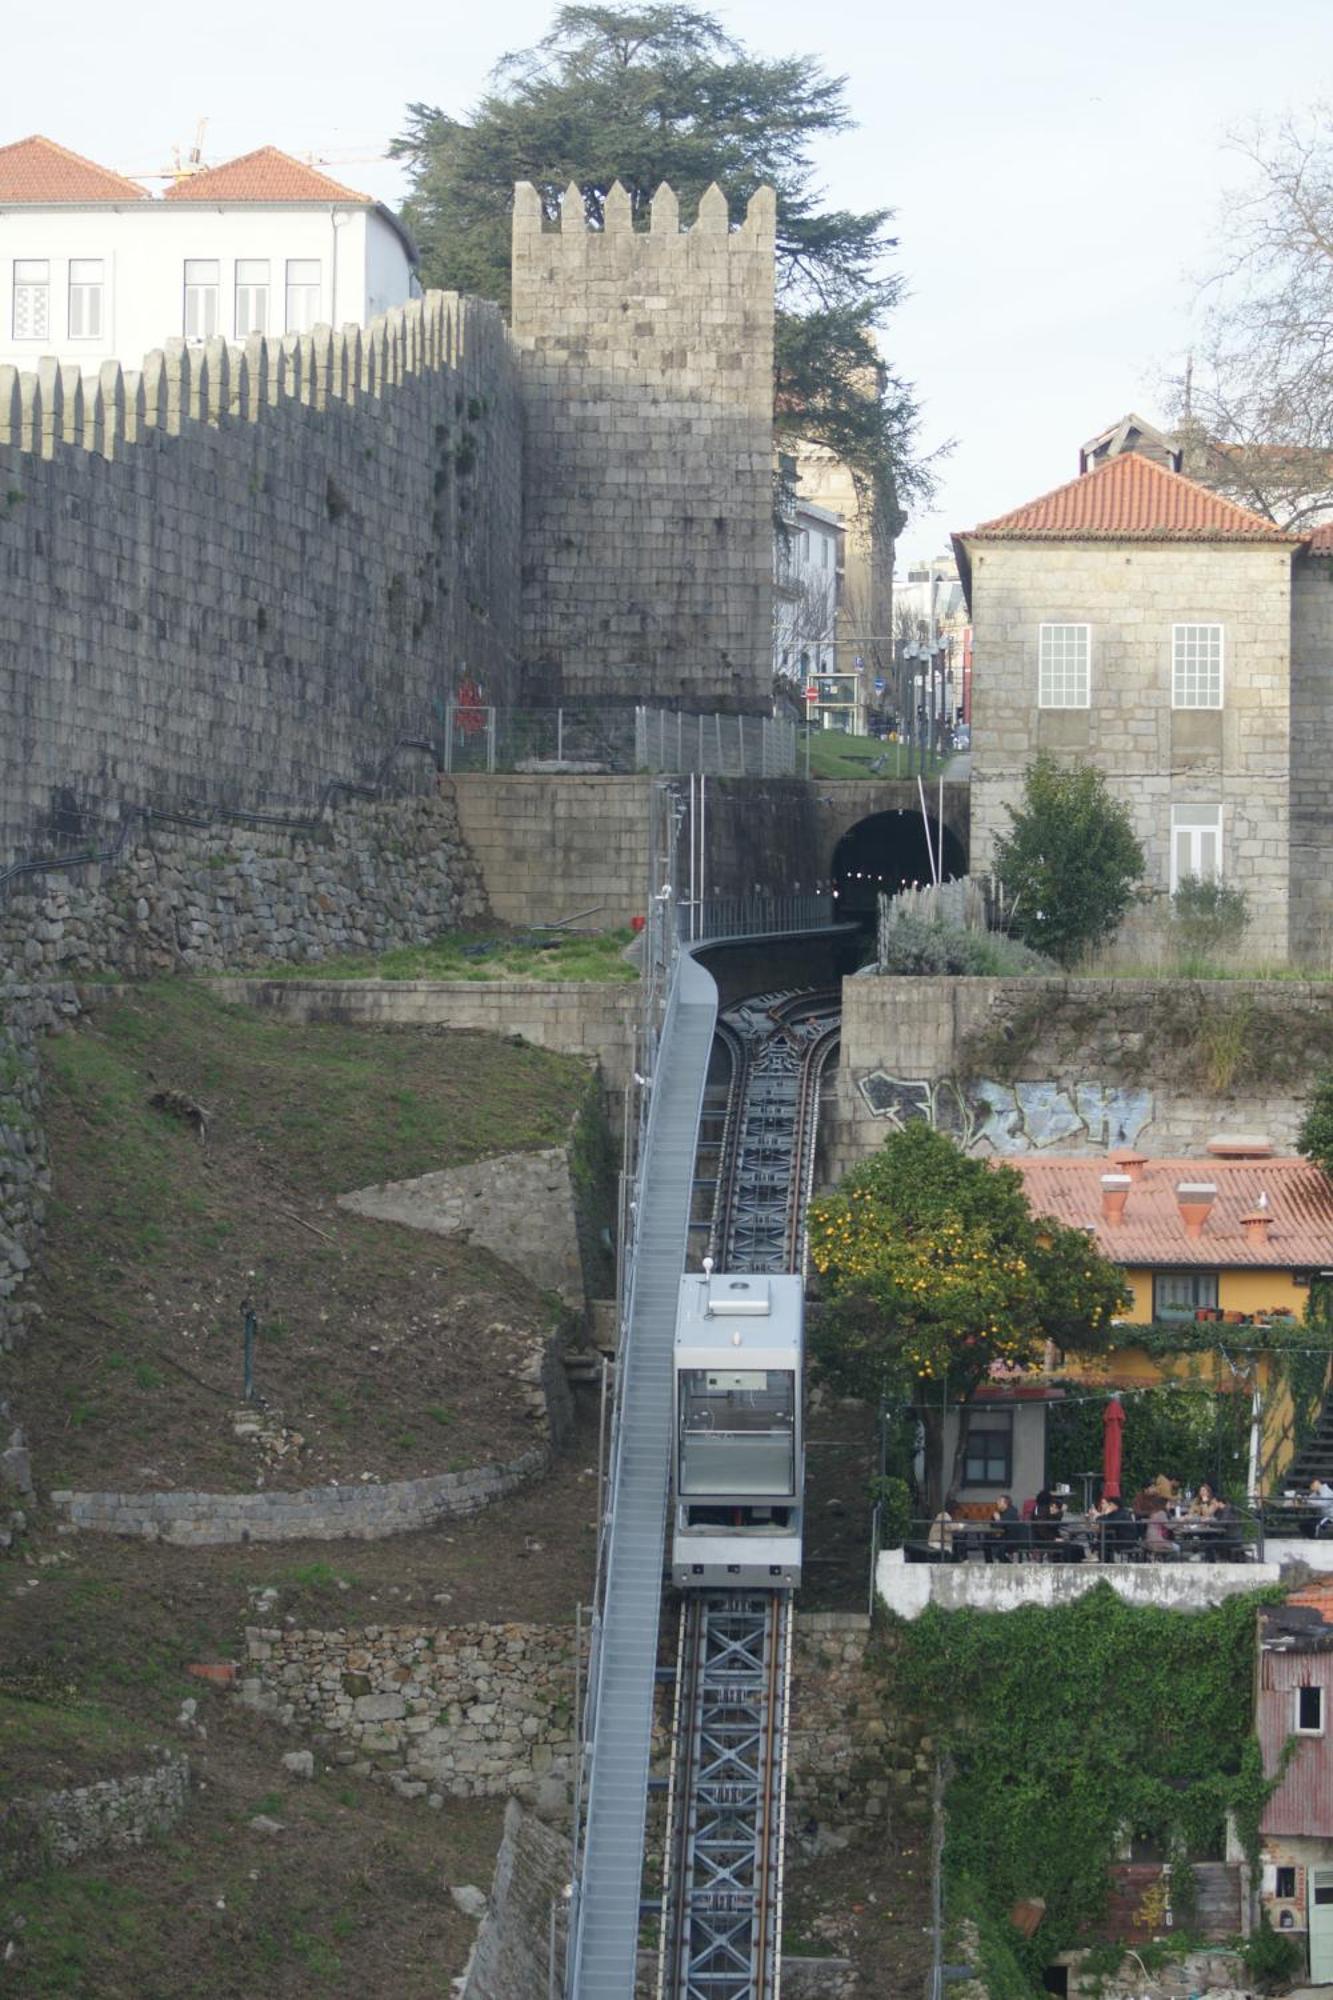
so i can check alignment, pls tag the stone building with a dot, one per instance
(1181, 644)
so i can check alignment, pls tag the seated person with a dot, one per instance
(1047, 1514)
(1117, 1523)
(940, 1533)
(1158, 1541)
(1206, 1504)
(1008, 1526)
(1321, 1501)
(1159, 1492)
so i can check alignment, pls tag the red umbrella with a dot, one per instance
(1113, 1444)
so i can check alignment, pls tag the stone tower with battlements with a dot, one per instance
(646, 359)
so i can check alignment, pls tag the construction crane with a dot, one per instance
(180, 168)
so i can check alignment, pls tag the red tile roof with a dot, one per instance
(37, 170)
(1129, 498)
(264, 175)
(1320, 540)
(1152, 1233)
(1316, 1597)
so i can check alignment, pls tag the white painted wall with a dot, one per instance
(143, 247)
(907, 1588)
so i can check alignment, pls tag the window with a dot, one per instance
(1284, 1884)
(1196, 843)
(1180, 1294)
(202, 283)
(32, 298)
(828, 550)
(1310, 1711)
(85, 298)
(302, 293)
(1196, 666)
(988, 1456)
(1062, 666)
(251, 295)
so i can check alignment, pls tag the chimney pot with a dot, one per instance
(1115, 1193)
(1194, 1199)
(1127, 1161)
(1258, 1223)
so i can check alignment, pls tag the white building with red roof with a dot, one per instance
(94, 269)
(1138, 621)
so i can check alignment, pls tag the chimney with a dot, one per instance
(1115, 1193)
(1256, 1225)
(1195, 1198)
(1240, 1146)
(1126, 1161)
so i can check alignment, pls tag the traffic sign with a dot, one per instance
(812, 694)
(880, 685)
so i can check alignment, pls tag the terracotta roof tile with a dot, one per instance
(1300, 1210)
(1130, 498)
(264, 175)
(1320, 540)
(37, 170)
(1317, 1597)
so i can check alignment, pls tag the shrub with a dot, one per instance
(1070, 861)
(916, 947)
(1208, 916)
(1274, 1959)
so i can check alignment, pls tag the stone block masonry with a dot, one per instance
(647, 367)
(26, 1013)
(239, 574)
(114, 1813)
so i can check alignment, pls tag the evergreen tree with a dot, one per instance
(646, 94)
(1069, 862)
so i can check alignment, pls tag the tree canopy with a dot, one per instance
(646, 94)
(1255, 410)
(1070, 861)
(935, 1270)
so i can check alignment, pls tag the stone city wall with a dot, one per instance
(550, 848)
(57, 1828)
(316, 1513)
(1075, 1066)
(240, 574)
(222, 895)
(468, 1711)
(646, 358)
(1311, 759)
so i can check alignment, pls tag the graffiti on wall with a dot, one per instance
(986, 1116)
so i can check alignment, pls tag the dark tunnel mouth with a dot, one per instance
(885, 852)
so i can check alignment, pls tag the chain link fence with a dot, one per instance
(600, 738)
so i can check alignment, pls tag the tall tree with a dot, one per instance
(645, 94)
(1255, 410)
(935, 1271)
(1070, 861)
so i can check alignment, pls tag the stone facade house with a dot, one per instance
(1137, 621)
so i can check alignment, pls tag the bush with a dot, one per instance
(1275, 1960)
(915, 947)
(1208, 916)
(1070, 861)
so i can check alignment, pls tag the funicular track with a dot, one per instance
(722, 1901)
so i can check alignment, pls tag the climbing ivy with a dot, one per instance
(1066, 1730)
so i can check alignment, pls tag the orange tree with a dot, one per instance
(933, 1270)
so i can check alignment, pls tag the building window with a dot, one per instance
(1180, 1294)
(1196, 666)
(1062, 666)
(251, 296)
(1310, 1711)
(302, 293)
(85, 298)
(1196, 844)
(988, 1457)
(32, 298)
(202, 284)
(1284, 1884)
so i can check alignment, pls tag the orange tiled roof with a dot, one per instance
(1152, 1233)
(1320, 540)
(39, 171)
(264, 175)
(1129, 498)
(1315, 1597)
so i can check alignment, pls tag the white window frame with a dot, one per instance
(38, 292)
(86, 299)
(1049, 665)
(201, 293)
(247, 291)
(301, 317)
(1185, 695)
(1190, 820)
(1298, 1727)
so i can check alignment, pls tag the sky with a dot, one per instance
(1059, 172)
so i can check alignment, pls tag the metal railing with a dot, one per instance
(599, 737)
(1236, 1537)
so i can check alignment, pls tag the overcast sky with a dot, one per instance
(1057, 171)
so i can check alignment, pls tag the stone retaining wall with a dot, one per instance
(852, 1760)
(318, 1513)
(469, 1711)
(224, 895)
(26, 1013)
(61, 1827)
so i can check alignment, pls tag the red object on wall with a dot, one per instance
(469, 709)
(1113, 1444)
(637, 924)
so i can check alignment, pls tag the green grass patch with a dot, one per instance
(834, 755)
(481, 956)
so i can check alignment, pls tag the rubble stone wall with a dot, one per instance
(114, 1813)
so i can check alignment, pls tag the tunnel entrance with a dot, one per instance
(885, 853)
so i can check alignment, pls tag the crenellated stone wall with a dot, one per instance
(242, 575)
(646, 359)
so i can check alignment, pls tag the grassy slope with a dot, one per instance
(388, 1350)
(485, 955)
